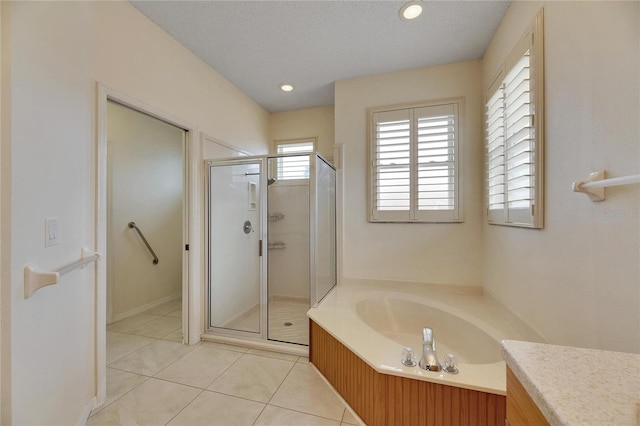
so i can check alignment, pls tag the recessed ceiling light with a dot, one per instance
(286, 87)
(411, 10)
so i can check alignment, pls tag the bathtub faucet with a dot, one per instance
(429, 359)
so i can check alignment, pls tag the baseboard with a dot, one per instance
(241, 316)
(143, 308)
(290, 299)
(86, 412)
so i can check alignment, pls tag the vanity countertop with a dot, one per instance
(577, 386)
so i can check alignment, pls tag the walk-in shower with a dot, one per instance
(272, 248)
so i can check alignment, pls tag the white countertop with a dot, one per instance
(576, 386)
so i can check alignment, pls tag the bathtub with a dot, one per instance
(376, 320)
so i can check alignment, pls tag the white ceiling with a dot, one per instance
(259, 44)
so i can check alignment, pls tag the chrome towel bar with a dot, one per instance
(34, 279)
(146, 243)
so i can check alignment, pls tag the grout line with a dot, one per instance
(121, 396)
(281, 383)
(183, 408)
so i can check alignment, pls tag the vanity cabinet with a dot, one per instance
(521, 410)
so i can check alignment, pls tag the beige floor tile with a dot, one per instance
(225, 346)
(131, 322)
(157, 327)
(304, 390)
(155, 402)
(177, 313)
(200, 367)
(165, 308)
(119, 345)
(213, 409)
(152, 358)
(348, 418)
(119, 383)
(253, 377)
(271, 354)
(303, 360)
(276, 416)
(174, 336)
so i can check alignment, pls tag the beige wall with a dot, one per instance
(304, 123)
(577, 281)
(433, 253)
(58, 52)
(146, 185)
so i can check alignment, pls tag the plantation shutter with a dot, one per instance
(515, 135)
(414, 164)
(495, 156)
(294, 167)
(436, 159)
(519, 142)
(391, 165)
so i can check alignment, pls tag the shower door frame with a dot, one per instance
(235, 161)
(262, 336)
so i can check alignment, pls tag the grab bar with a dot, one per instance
(34, 280)
(146, 243)
(596, 183)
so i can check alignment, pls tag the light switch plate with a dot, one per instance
(51, 229)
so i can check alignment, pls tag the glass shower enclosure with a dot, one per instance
(271, 244)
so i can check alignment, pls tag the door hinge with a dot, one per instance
(260, 248)
(186, 247)
(533, 210)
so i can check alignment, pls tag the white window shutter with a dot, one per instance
(415, 155)
(436, 162)
(294, 167)
(391, 165)
(519, 143)
(515, 135)
(495, 156)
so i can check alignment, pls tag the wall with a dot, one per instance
(433, 253)
(58, 50)
(146, 185)
(5, 216)
(303, 123)
(289, 268)
(577, 281)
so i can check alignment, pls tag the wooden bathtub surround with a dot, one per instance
(382, 399)
(521, 410)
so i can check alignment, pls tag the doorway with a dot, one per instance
(145, 223)
(190, 234)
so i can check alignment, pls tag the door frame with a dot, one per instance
(262, 279)
(191, 227)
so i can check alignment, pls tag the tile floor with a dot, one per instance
(152, 379)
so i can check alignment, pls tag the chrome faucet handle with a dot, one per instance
(408, 357)
(451, 364)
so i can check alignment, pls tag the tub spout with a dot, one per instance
(429, 359)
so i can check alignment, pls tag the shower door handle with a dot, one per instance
(247, 227)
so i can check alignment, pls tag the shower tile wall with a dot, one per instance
(288, 210)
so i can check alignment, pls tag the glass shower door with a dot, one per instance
(323, 225)
(235, 240)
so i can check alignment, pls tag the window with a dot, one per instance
(295, 167)
(515, 135)
(415, 155)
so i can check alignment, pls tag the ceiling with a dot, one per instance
(259, 44)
